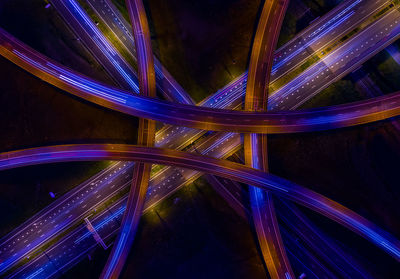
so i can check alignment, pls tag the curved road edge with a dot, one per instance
(218, 167)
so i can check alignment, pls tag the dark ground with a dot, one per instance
(206, 44)
(356, 167)
(340, 92)
(387, 73)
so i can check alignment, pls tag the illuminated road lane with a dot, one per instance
(235, 85)
(255, 145)
(116, 101)
(223, 168)
(69, 209)
(79, 243)
(141, 171)
(223, 149)
(108, 56)
(339, 62)
(326, 249)
(317, 35)
(206, 118)
(117, 24)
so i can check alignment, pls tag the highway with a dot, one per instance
(146, 137)
(218, 167)
(108, 55)
(210, 118)
(255, 145)
(321, 33)
(79, 243)
(74, 246)
(313, 39)
(104, 11)
(305, 260)
(201, 117)
(136, 190)
(316, 37)
(281, 101)
(321, 245)
(222, 94)
(71, 208)
(97, 44)
(117, 25)
(231, 95)
(340, 61)
(162, 183)
(326, 249)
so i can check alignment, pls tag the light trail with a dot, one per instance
(218, 167)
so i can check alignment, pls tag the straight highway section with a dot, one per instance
(303, 260)
(77, 244)
(69, 209)
(112, 18)
(195, 116)
(110, 58)
(97, 44)
(108, 224)
(316, 37)
(342, 56)
(326, 249)
(54, 261)
(146, 134)
(255, 145)
(321, 33)
(218, 167)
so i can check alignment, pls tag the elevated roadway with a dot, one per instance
(218, 167)
(146, 135)
(97, 44)
(255, 145)
(195, 116)
(224, 147)
(122, 31)
(240, 87)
